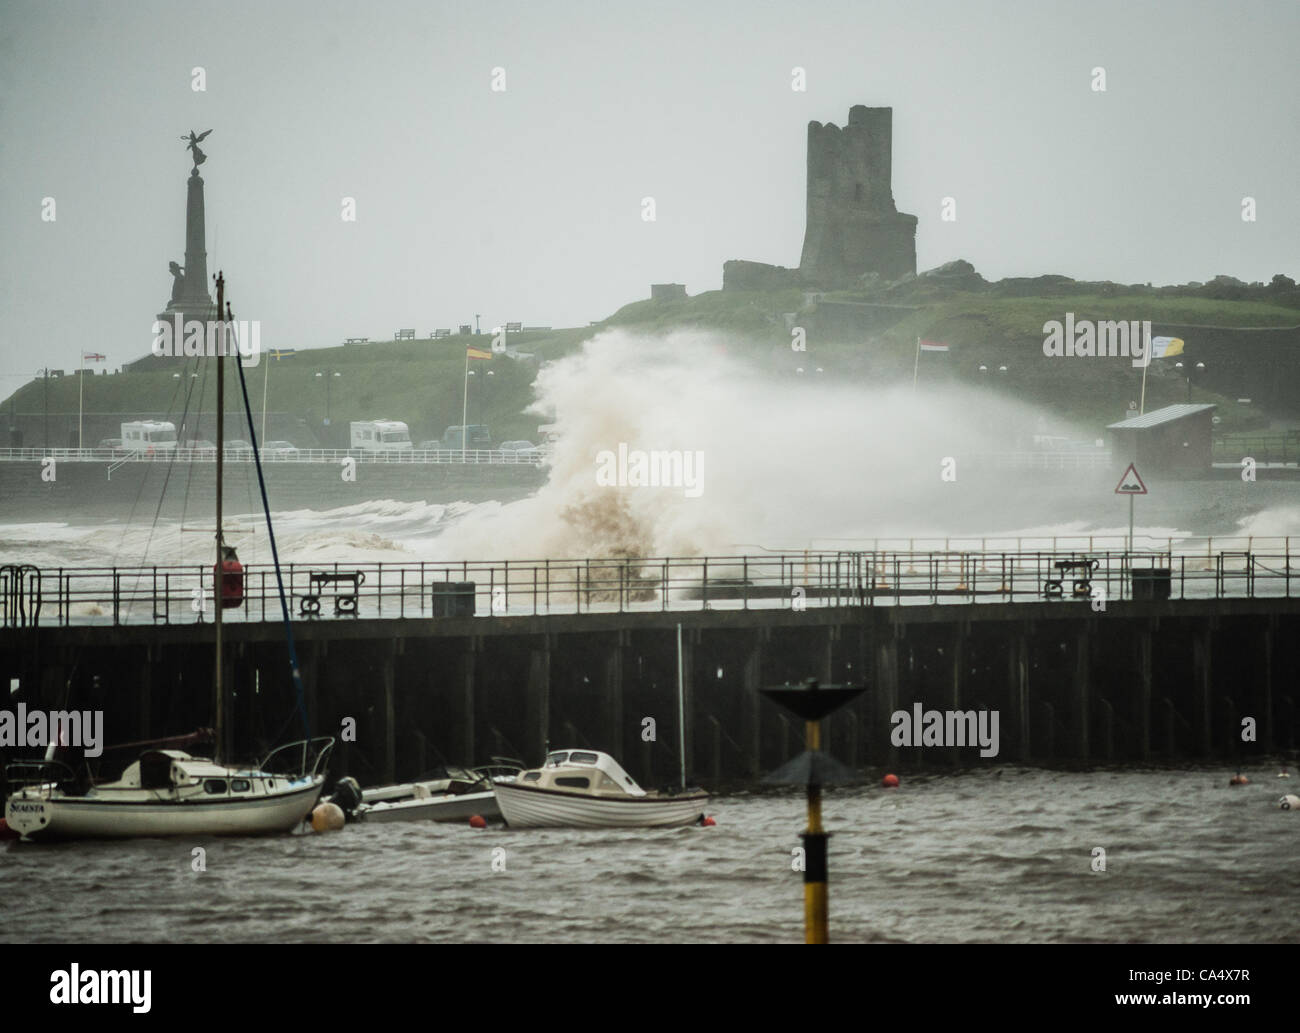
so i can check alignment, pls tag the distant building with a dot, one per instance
(668, 292)
(1173, 440)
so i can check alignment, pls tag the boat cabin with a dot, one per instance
(177, 770)
(584, 771)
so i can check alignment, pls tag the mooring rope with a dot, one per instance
(270, 531)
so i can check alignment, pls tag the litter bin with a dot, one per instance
(453, 599)
(1151, 583)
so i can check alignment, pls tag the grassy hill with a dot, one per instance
(994, 325)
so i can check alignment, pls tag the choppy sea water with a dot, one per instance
(970, 857)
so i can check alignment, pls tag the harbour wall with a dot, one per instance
(1144, 682)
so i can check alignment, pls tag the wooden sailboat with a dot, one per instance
(169, 792)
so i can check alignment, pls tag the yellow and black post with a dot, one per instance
(815, 918)
(813, 769)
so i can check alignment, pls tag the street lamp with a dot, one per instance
(44, 371)
(1199, 368)
(329, 375)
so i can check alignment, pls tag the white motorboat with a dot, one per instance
(166, 793)
(588, 789)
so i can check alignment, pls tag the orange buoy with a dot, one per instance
(327, 817)
(1238, 780)
(707, 821)
(477, 821)
(890, 781)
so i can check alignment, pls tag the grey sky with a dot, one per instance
(526, 205)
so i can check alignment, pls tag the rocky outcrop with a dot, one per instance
(739, 275)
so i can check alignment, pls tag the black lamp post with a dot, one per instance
(329, 376)
(44, 372)
(1187, 370)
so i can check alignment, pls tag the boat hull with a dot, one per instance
(525, 807)
(435, 808)
(44, 816)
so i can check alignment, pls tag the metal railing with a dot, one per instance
(788, 580)
(1081, 459)
(118, 456)
(1262, 446)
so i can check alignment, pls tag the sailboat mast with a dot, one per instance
(220, 716)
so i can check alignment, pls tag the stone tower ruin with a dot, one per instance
(853, 226)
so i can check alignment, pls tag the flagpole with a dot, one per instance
(464, 410)
(81, 394)
(1142, 407)
(916, 364)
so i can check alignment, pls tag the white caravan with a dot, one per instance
(148, 436)
(381, 436)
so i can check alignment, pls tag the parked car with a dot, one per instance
(432, 445)
(204, 447)
(279, 448)
(114, 443)
(523, 451)
(239, 448)
(479, 438)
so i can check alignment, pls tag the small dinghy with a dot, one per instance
(588, 789)
(453, 795)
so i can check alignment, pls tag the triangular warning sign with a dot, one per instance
(1130, 483)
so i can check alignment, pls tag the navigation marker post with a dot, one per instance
(813, 769)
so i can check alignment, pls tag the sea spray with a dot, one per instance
(788, 458)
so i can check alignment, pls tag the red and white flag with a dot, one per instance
(932, 346)
(91, 357)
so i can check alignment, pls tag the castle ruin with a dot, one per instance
(853, 227)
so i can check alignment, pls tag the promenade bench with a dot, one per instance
(1054, 588)
(345, 601)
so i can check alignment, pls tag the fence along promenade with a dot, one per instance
(118, 456)
(1069, 572)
